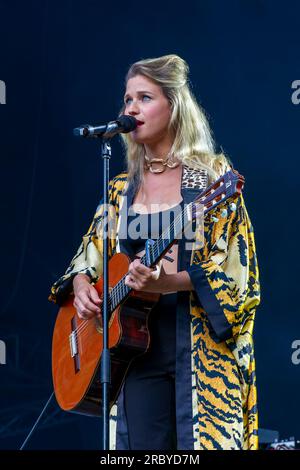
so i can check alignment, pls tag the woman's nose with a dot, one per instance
(133, 108)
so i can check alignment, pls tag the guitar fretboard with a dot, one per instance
(156, 252)
(229, 184)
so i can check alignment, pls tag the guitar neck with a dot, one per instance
(154, 253)
(228, 185)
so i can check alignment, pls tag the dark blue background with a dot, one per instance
(64, 64)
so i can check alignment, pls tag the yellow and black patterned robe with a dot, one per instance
(216, 403)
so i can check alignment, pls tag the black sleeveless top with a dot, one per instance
(141, 227)
(162, 321)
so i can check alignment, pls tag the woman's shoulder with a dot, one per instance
(221, 164)
(120, 178)
(119, 181)
(117, 185)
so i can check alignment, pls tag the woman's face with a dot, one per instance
(145, 101)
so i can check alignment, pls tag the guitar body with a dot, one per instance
(77, 345)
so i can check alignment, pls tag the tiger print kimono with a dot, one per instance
(216, 404)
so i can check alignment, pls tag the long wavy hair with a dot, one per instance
(193, 144)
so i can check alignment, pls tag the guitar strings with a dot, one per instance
(113, 299)
(118, 288)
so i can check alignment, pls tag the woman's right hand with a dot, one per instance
(86, 299)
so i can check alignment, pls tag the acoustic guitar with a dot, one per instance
(77, 344)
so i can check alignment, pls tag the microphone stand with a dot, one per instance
(105, 133)
(105, 365)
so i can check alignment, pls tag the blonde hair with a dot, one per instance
(193, 144)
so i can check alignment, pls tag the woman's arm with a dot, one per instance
(226, 276)
(86, 298)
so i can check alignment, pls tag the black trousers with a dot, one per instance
(149, 389)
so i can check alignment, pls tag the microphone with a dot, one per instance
(123, 124)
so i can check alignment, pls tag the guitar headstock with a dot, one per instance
(229, 185)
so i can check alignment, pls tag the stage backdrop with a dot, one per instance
(63, 64)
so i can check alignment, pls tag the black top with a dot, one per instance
(141, 227)
(162, 322)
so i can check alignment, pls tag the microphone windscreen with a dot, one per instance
(129, 123)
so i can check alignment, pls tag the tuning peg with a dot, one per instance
(224, 213)
(214, 218)
(232, 206)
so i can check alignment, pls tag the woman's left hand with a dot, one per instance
(142, 278)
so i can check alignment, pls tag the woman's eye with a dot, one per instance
(144, 98)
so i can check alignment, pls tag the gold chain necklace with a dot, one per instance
(168, 162)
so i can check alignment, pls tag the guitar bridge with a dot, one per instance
(74, 344)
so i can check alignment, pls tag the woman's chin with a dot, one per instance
(139, 139)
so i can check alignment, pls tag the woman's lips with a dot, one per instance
(139, 123)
